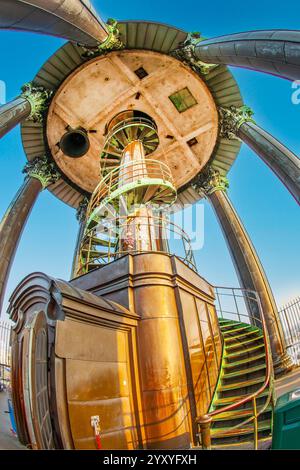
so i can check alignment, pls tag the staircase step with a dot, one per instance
(230, 400)
(237, 414)
(233, 338)
(243, 384)
(236, 330)
(230, 324)
(242, 352)
(218, 433)
(240, 344)
(250, 359)
(245, 371)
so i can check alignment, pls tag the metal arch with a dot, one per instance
(75, 20)
(276, 52)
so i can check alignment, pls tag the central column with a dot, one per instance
(138, 233)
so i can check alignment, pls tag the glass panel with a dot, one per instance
(183, 100)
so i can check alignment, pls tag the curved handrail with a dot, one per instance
(128, 173)
(112, 227)
(205, 420)
(132, 121)
(128, 123)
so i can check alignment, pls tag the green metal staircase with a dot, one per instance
(243, 373)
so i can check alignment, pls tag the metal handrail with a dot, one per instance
(289, 316)
(114, 226)
(205, 421)
(124, 174)
(133, 121)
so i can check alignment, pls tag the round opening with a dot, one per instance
(129, 114)
(75, 143)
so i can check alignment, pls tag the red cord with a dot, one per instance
(98, 442)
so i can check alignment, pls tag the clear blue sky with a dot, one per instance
(270, 214)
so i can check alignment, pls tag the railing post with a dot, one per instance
(204, 422)
(255, 423)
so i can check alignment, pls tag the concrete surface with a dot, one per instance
(8, 441)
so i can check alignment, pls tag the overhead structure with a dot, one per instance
(271, 51)
(128, 123)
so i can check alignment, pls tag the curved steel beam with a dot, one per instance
(75, 20)
(284, 163)
(276, 52)
(13, 113)
(247, 264)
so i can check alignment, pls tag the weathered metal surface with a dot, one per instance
(284, 163)
(135, 35)
(75, 20)
(135, 369)
(89, 354)
(162, 289)
(250, 272)
(272, 51)
(101, 88)
(12, 226)
(13, 113)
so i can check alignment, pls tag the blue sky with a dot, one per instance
(270, 214)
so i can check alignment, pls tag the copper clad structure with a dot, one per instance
(137, 370)
(129, 123)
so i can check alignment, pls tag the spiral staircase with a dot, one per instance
(125, 128)
(129, 181)
(243, 373)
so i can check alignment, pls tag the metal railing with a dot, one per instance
(154, 231)
(127, 130)
(5, 355)
(236, 307)
(130, 176)
(289, 316)
(129, 123)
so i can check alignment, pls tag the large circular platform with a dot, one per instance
(88, 93)
(101, 88)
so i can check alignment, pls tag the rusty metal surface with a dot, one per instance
(13, 113)
(75, 20)
(140, 35)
